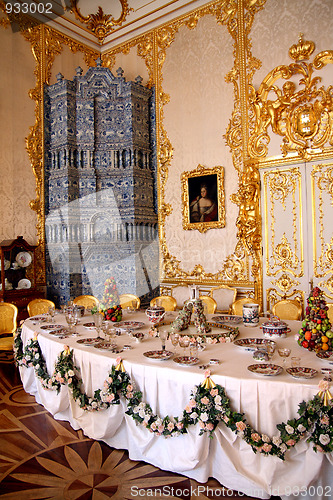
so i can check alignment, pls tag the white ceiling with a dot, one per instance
(143, 16)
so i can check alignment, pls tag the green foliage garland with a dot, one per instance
(208, 406)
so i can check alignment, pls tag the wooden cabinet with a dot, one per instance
(18, 274)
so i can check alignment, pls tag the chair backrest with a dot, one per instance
(169, 303)
(224, 296)
(87, 301)
(288, 309)
(330, 313)
(127, 300)
(39, 306)
(181, 293)
(237, 306)
(8, 317)
(210, 303)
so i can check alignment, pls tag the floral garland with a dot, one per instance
(208, 406)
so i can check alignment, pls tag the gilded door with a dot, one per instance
(297, 230)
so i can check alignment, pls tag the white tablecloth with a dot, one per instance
(266, 401)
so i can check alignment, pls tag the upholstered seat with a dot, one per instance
(128, 299)
(288, 309)
(237, 306)
(181, 293)
(169, 303)
(87, 301)
(224, 296)
(39, 306)
(210, 304)
(8, 324)
(330, 313)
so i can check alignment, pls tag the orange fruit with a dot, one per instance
(324, 347)
(324, 339)
(308, 335)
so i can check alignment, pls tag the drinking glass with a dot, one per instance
(270, 348)
(51, 312)
(163, 334)
(184, 343)
(295, 362)
(98, 319)
(174, 337)
(284, 352)
(70, 318)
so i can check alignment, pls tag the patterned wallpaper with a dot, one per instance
(17, 186)
(196, 118)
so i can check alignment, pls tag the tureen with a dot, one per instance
(275, 328)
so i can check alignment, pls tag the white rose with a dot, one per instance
(301, 428)
(290, 429)
(194, 415)
(71, 373)
(217, 399)
(218, 407)
(265, 438)
(324, 439)
(142, 413)
(283, 448)
(204, 417)
(37, 366)
(276, 440)
(136, 409)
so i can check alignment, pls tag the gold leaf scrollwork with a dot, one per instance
(100, 24)
(284, 255)
(302, 117)
(285, 283)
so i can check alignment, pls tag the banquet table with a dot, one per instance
(166, 386)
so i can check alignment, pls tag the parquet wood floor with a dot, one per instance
(42, 458)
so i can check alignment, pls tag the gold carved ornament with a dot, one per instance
(301, 114)
(100, 24)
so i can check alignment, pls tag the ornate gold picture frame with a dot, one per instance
(203, 198)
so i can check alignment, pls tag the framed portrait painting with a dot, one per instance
(203, 198)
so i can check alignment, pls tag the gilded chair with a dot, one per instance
(330, 313)
(169, 303)
(237, 306)
(128, 299)
(87, 301)
(288, 309)
(8, 324)
(181, 293)
(224, 296)
(210, 303)
(39, 306)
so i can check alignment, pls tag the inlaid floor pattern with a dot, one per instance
(43, 458)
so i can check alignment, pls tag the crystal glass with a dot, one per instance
(174, 337)
(70, 318)
(163, 334)
(51, 312)
(98, 320)
(295, 362)
(184, 343)
(284, 352)
(270, 348)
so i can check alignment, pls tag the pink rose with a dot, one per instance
(110, 397)
(241, 426)
(210, 426)
(180, 425)
(255, 437)
(118, 360)
(204, 400)
(267, 447)
(207, 373)
(323, 385)
(324, 420)
(290, 442)
(192, 403)
(214, 392)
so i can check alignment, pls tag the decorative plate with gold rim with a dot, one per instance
(158, 355)
(266, 369)
(186, 360)
(302, 372)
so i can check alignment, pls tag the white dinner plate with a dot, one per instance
(302, 372)
(266, 369)
(158, 355)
